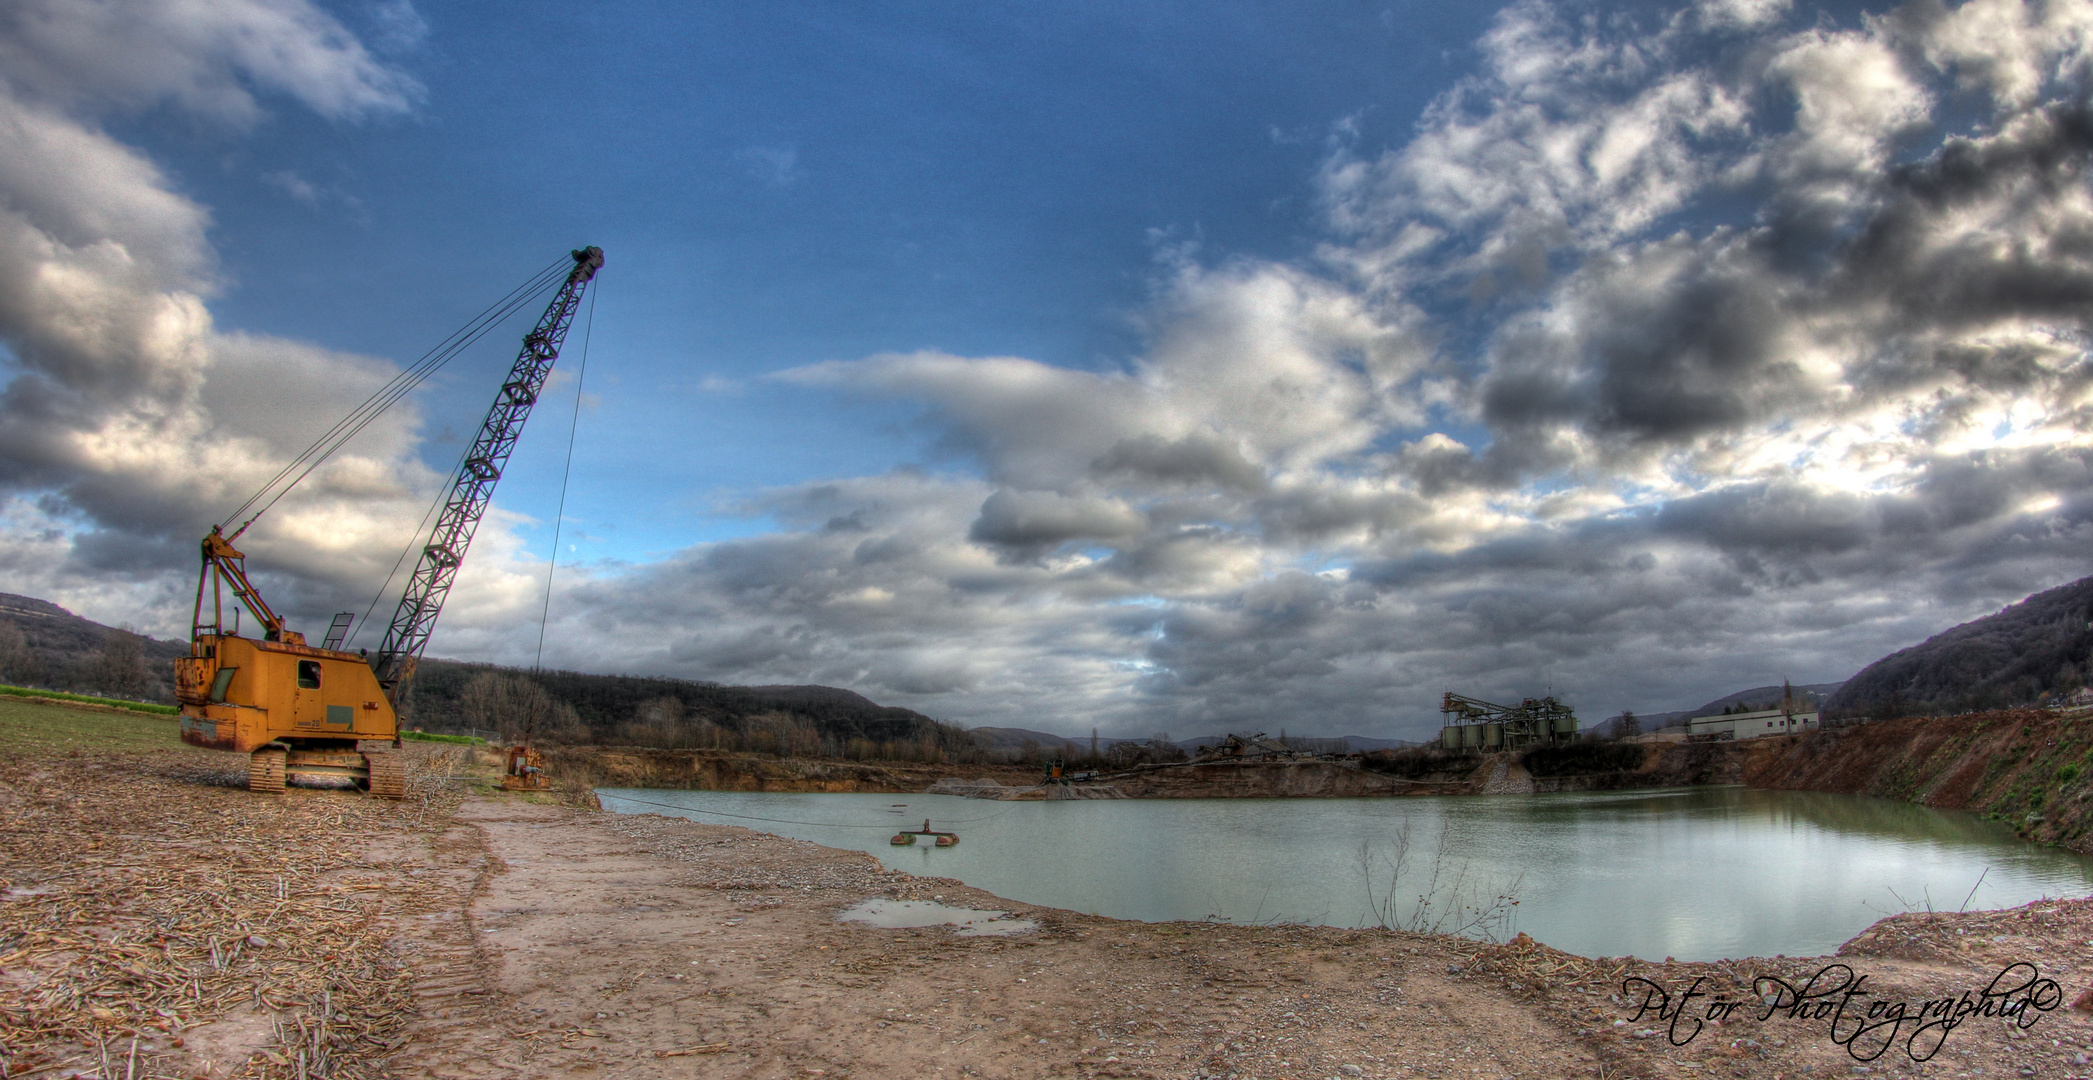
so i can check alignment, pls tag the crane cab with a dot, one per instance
(241, 694)
(295, 710)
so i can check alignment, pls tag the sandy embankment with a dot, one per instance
(497, 937)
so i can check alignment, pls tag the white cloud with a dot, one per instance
(202, 57)
(1263, 366)
(1550, 408)
(2012, 51)
(1664, 358)
(130, 420)
(290, 183)
(775, 166)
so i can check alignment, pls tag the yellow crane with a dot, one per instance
(303, 710)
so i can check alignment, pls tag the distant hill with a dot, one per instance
(45, 646)
(1002, 738)
(1815, 695)
(674, 713)
(2027, 651)
(1012, 738)
(827, 694)
(1758, 697)
(1348, 744)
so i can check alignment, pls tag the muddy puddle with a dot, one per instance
(906, 914)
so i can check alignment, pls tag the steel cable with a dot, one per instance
(399, 386)
(559, 516)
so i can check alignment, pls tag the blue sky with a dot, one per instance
(1149, 367)
(778, 185)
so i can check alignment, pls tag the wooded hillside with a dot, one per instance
(569, 706)
(45, 646)
(2031, 651)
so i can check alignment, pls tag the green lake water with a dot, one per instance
(1692, 873)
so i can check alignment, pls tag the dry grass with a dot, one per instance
(150, 908)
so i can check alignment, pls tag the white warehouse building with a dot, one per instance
(1750, 725)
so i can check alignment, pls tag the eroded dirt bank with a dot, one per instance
(2030, 767)
(159, 922)
(1290, 779)
(712, 770)
(718, 770)
(1666, 765)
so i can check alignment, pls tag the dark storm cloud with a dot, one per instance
(1774, 518)
(1196, 460)
(2035, 258)
(1027, 526)
(1312, 512)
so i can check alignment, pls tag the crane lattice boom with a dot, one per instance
(474, 484)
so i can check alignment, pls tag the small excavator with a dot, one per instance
(301, 710)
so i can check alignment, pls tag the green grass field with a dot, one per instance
(34, 728)
(114, 703)
(461, 740)
(28, 728)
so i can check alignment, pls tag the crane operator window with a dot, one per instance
(309, 674)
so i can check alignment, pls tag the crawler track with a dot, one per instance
(388, 775)
(265, 770)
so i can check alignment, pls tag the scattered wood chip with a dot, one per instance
(708, 1048)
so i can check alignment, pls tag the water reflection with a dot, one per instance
(1695, 873)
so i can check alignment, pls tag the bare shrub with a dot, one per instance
(1448, 899)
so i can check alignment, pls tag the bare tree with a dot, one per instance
(17, 664)
(511, 704)
(665, 723)
(119, 669)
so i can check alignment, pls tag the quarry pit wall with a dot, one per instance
(2026, 767)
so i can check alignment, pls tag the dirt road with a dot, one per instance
(155, 921)
(661, 935)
